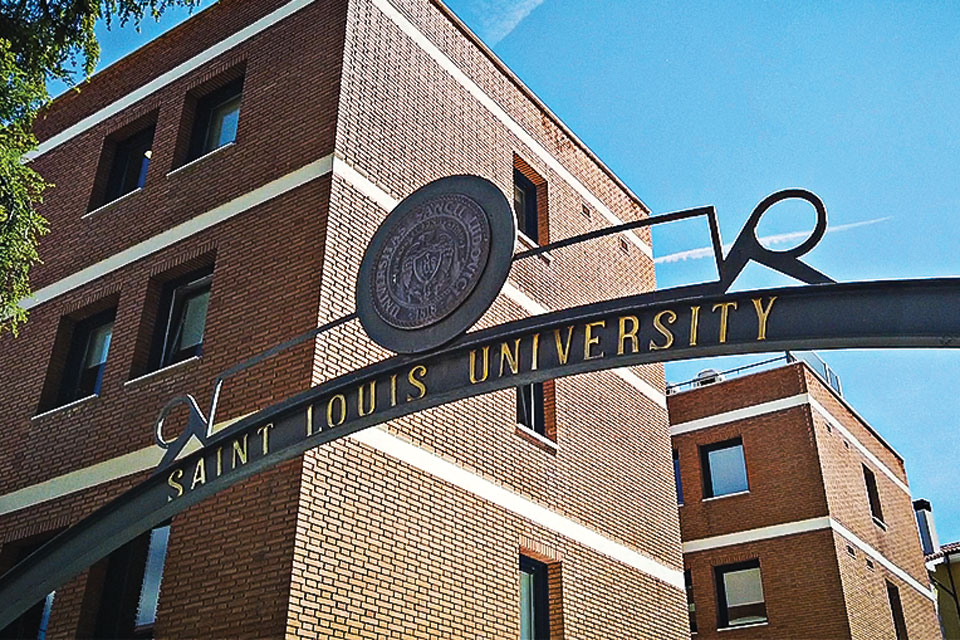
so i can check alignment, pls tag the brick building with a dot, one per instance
(214, 193)
(796, 516)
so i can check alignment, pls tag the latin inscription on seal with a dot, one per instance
(432, 262)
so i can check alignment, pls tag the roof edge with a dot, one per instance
(138, 51)
(529, 93)
(846, 404)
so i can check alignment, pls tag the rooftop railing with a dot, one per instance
(823, 371)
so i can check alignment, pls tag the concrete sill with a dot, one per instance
(158, 372)
(525, 243)
(880, 523)
(744, 626)
(196, 161)
(110, 204)
(539, 440)
(726, 495)
(64, 407)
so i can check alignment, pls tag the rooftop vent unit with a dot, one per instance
(707, 377)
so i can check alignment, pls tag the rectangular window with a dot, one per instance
(870, 480)
(152, 577)
(896, 608)
(530, 407)
(216, 118)
(183, 318)
(740, 594)
(87, 357)
(724, 468)
(34, 622)
(676, 476)
(691, 606)
(131, 159)
(534, 600)
(127, 585)
(525, 206)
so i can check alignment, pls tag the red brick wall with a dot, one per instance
(800, 467)
(287, 120)
(801, 587)
(783, 471)
(229, 562)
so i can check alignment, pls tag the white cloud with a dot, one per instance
(767, 241)
(498, 18)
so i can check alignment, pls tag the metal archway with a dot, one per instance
(659, 326)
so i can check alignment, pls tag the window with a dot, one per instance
(34, 622)
(724, 468)
(896, 608)
(216, 119)
(183, 318)
(87, 357)
(530, 407)
(534, 600)
(525, 205)
(873, 495)
(740, 594)
(691, 606)
(152, 577)
(131, 158)
(127, 585)
(676, 476)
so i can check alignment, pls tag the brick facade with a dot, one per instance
(347, 107)
(806, 517)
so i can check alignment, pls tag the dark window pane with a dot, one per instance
(89, 348)
(32, 623)
(691, 606)
(896, 608)
(152, 577)
(130, 162)
(131, 586)
(216, 118)
(530, 407)
(525, 205)
(534, 600)
(186, 319)
(724, 468)
(223, 124)
(676, 477)
(876, 510)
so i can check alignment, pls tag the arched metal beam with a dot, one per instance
(646, 328)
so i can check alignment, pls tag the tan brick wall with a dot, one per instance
(846, 492)
(385, 550)
(865, 597)
(287, 263)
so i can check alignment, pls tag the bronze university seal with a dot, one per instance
(432, 262)
(436, 263)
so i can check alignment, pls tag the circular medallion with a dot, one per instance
(436, 264)
(432, 262)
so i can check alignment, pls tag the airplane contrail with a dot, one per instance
(707, 252)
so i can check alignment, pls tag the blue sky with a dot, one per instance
(724, 103)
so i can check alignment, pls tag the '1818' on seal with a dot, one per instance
(432, 261)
